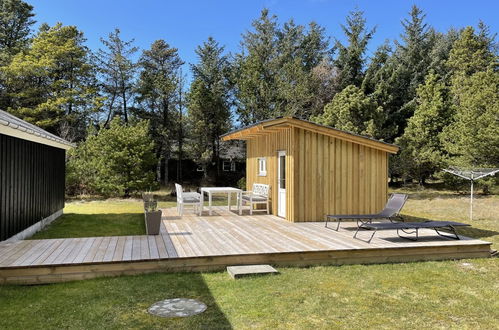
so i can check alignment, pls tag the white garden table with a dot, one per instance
(221, 190)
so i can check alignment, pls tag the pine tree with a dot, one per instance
(157, 97)
(52, 84)
(209, 103)
(117, 73)
(16, 19)
(115, 161)
(472, 53)
(255, 75)
(274, 72)
(404, 72)
(351, 58)
(352, 111)
(421, 149)
(472, 139)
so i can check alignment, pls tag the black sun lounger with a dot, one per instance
(392, 209)
(405, 227)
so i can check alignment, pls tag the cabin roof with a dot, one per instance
(13, 126)
(274, 125)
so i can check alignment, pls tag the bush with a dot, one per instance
(241, 183)
(455, 183)
(117, 161)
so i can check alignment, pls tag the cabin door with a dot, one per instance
(281, 184)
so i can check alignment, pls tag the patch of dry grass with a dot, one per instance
(430, 204)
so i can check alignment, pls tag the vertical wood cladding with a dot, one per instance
(325, 175)
(31, 183)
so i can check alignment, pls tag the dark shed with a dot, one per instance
(32, 177)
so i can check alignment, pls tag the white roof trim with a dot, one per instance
(15, 127)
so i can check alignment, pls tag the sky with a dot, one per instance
(185, 24)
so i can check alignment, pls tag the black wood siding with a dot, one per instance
(31, 183)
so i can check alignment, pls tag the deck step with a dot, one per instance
(240, 271)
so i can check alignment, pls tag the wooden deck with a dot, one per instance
(194, 243)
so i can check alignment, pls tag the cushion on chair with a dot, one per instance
(189, 199)
(256, 198)
(191, 194)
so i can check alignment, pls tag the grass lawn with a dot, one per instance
(112, 217)
(449, 294)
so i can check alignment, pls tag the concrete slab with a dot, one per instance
(240, 271)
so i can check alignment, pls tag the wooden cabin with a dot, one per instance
(32, 177)
(314, 170)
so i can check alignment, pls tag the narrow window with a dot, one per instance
(227, 166)
(262, 167)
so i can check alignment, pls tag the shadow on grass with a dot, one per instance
(73, 225)
(471, 231)
(118, 303)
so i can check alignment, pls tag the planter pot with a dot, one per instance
(153, 222)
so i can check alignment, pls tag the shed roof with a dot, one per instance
(13, 126)
(273, 125)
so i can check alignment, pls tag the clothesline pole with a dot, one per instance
(470, 175)
(471, 199)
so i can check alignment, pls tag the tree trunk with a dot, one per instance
(166, 139)
(180, 151)
(125, 111)
(165, 170)
(158, 167)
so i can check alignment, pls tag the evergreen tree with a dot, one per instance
(375, 74)
(422, 152)
(472, 52)
(404, 72)
(52, 84)
(209, 103)
(16, 19)
(117, 73)
(353, 111)
(274, 72)
(440, 53)
(472, 139)
(294, 93)
(315, 46)
(115, 161)
(257, 66)
(351, 58)
(157, 96)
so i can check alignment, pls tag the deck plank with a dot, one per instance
(84, 250)
(34, 250)
(120, 247)
(127, 248)
(136, 248)
(160, 245)
(101, 250)
(48, 244)
(153, 248)
(111, 248)
(209, 242)
(170, 248)
(89, 257)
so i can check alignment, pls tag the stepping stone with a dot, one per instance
(240, 271)
(178, 307)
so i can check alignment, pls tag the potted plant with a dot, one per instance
(151, 214)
